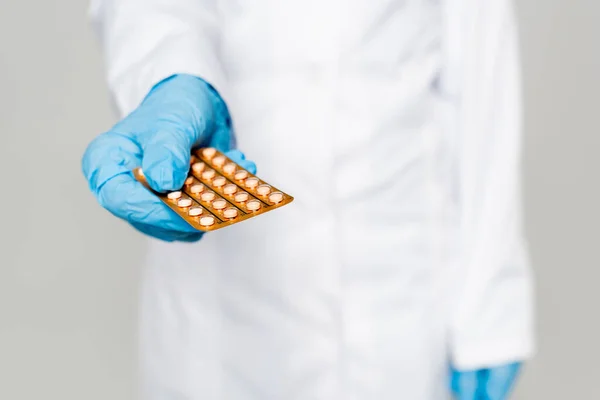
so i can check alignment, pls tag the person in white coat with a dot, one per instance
(396, 126)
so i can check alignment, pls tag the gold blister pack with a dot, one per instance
(218, 192)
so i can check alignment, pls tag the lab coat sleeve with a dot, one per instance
(492, 319)
(146, 41)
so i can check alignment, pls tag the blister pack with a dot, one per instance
(218, 192)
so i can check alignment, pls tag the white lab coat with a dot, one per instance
(396, 126)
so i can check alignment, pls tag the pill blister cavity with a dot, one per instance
(276, 197)
(219, 181)
(141, 172)
(218, 161)
(219, 204)
(253, 205)
(241, 197)
(174, 195)
(189, 181)
(208, 174)
(197, 188)
(229, 168)
(263, 190)
(207, 196)
(230, 212)
(209, 152)
(198, 167)
(251, 183)
(207, 221)
(184, 202)
(195, 211)
(230, 188)
(241, 175)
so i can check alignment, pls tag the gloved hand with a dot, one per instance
(485, 384)
(180, 112)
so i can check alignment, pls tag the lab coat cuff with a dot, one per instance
(181, 54)
(492, 354)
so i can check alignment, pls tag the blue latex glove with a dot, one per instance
(485, 384)
(179, 113)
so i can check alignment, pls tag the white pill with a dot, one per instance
(263, 190)
(219, 161)
(229, 168)
(219, 204)
(195, 211)
(209, 152)
(241, 175)
(230, 188)
(230, 213)
(184, 203)
(207, 221)
(208, 174)
(141, 172)
(276, 197)
(197, 188)
(198, 167)
(174, 195)
(241, 197)
(253, 205)
(207, 196)
(219, 181)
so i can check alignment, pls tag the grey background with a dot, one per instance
(68, 270)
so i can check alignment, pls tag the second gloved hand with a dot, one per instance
(179, 113)
(485, 384)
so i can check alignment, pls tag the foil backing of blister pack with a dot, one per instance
(218, 192)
